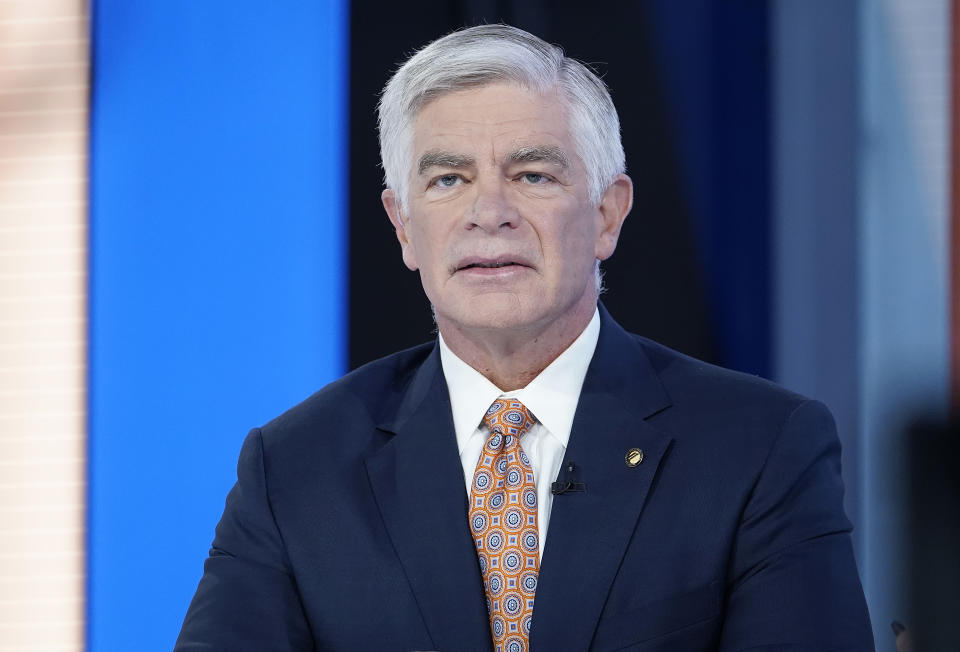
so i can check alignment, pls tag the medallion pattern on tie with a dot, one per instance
(503, 522)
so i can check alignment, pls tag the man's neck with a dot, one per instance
(511, 358)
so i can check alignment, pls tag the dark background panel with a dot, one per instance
(930, 503)
(689, 82)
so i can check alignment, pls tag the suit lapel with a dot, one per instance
(589, 532)
(418, 482)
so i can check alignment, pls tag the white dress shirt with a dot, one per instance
(552, 398)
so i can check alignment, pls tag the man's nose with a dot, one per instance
(492, 210)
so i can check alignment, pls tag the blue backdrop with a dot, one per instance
(217, 284)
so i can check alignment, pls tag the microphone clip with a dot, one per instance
(569, 484)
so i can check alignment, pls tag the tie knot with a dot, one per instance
(509, 418)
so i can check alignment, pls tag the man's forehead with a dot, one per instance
(497, 123)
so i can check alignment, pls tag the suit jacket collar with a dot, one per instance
(417, 479)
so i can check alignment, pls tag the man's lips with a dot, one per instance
(485, 263)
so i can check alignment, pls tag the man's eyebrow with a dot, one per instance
(540, 153)
(442, 159)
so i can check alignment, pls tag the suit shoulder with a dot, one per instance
(726, 412)
(685, 377)
(730, 406)
(360, 397)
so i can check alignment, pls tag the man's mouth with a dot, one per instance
(489, 265)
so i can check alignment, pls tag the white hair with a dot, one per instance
(488, 54)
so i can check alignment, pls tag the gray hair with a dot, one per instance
(487, 54)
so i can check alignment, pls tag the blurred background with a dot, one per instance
(191, 241)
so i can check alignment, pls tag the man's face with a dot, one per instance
(498, 218)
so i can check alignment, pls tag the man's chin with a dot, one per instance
(487, 312)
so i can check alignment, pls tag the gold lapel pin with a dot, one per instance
(634, 457)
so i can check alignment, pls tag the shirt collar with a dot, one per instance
(552, 396)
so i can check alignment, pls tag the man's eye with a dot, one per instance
(535, 179)
(447, 181)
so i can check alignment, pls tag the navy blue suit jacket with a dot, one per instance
(347, 528)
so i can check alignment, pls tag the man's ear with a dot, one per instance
(395, 213)
(614, 207)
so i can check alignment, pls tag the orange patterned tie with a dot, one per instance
(503, 521)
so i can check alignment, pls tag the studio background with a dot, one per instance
(792, 219)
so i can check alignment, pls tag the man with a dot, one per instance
(537, 478)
